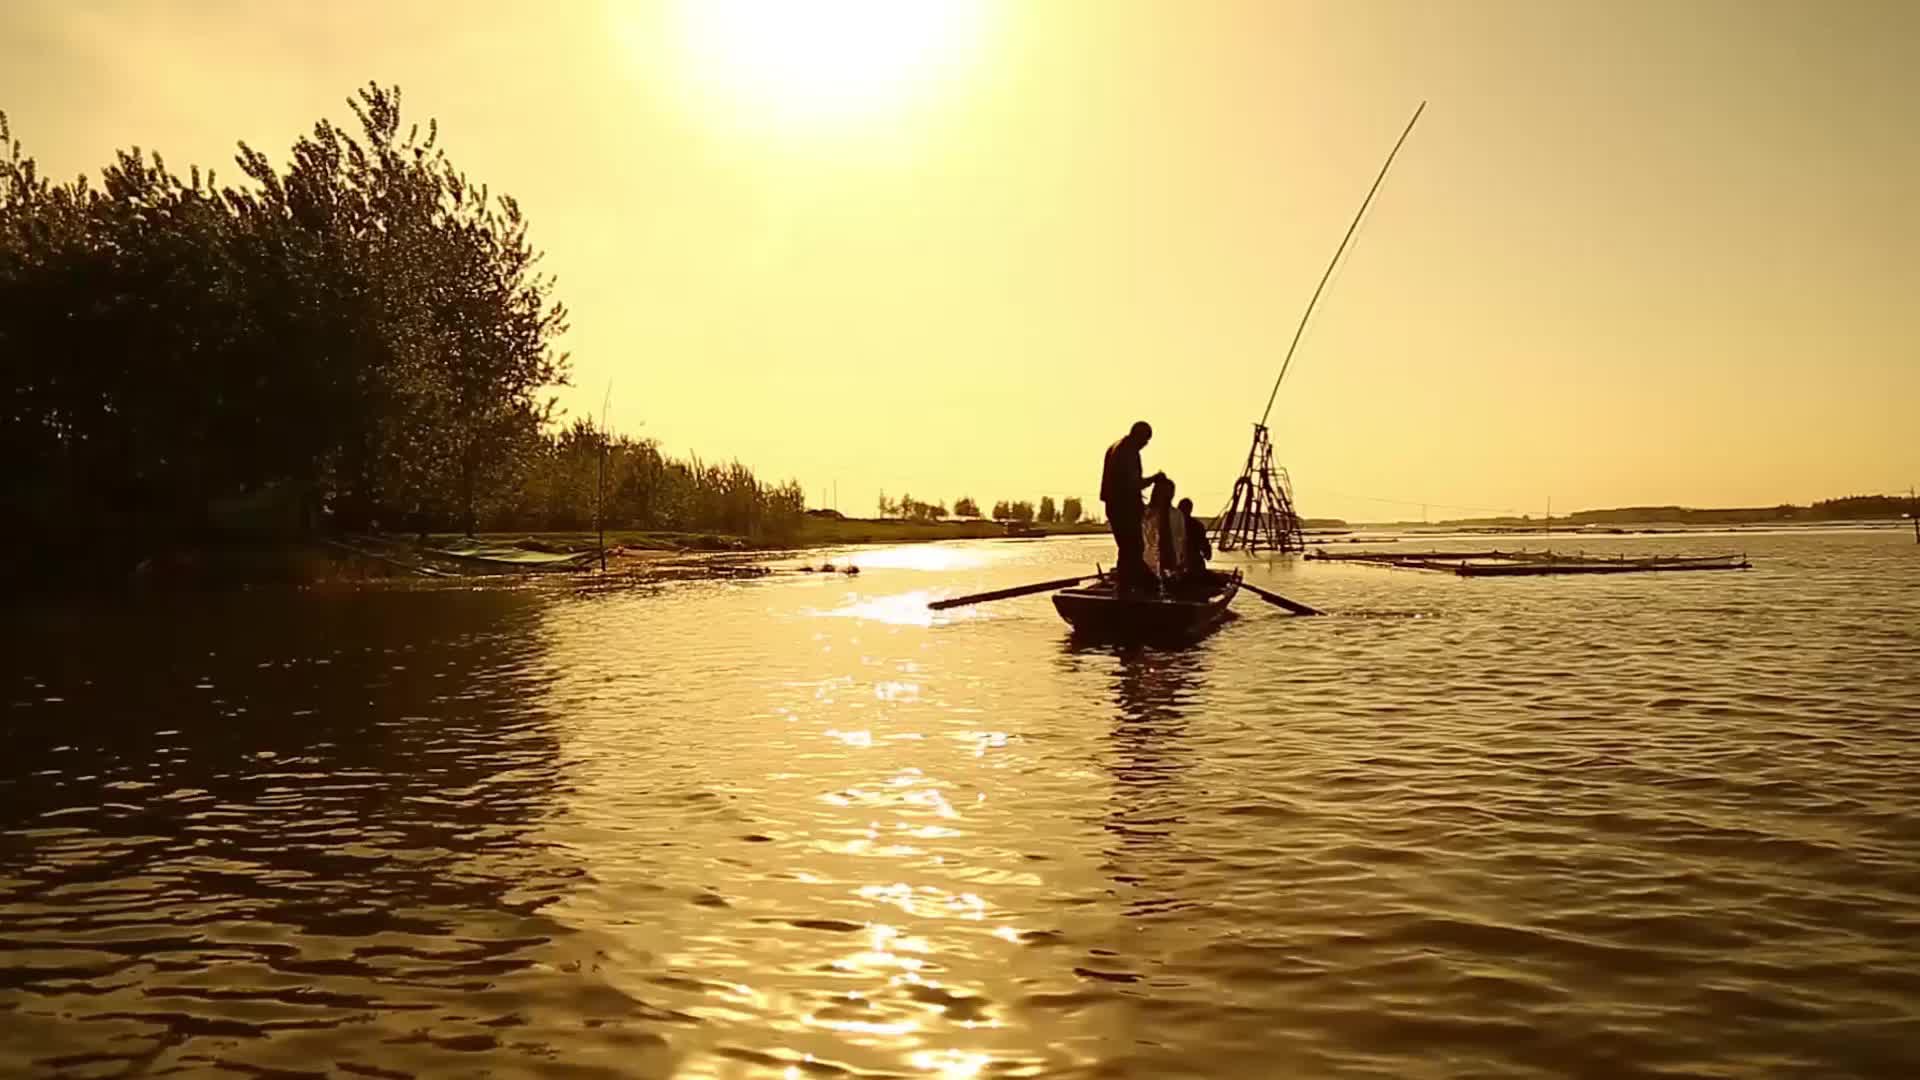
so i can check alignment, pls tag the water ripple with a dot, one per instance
(787, 827)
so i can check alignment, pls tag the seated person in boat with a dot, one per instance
(1199, 548)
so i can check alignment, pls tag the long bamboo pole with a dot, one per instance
(1007, 594)
(1335, 261)
(1277, 600)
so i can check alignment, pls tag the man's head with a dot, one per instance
(1186, 507)
(1141, 434)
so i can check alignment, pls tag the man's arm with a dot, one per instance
(1147, 481)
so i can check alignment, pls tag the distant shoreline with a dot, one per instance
(648, 555)
(1647, 528)
(1852, 509)
(240, 560)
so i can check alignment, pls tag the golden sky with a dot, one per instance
(1634, 252)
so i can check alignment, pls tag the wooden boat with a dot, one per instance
(1097, 613)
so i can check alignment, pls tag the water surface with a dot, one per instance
(1645, 825)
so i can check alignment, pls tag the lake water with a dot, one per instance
(1633, 826)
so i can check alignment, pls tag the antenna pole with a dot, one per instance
(1307, 314)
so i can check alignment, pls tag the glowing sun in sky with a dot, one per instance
(823, 62)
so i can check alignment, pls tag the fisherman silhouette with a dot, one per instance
(1120, 486)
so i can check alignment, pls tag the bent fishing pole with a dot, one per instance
(1301, 329)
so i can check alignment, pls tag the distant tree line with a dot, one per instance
(1068, 511)
(1847, 508)
(908, 508)
(361, 338)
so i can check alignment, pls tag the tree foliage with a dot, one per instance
(909, 508)
(363, 330)
(964, 506)
(366, 325)
(1071, 511)
(644, 489)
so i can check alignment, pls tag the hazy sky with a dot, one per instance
(1634, 253)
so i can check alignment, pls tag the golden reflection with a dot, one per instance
(984, 741)
(932, 798)
(926, 901)
(1153, 689)
(884, 947)
(866, 847)
(896, 690)
(932, 832)
(863, 1027)
(828, 844)
(899, 609)
(951, 1064)
(937, 558)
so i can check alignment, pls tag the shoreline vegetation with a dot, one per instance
(359, 341)
(346, 362)
(647, 556)
(631, 554)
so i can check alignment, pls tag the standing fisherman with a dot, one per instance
(1120, 484)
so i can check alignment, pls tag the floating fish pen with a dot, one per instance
(1528, 563)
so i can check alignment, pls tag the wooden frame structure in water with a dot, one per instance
(1261, 512)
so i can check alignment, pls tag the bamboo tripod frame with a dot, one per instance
(1260, 514)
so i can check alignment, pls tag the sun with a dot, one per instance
(820, 63)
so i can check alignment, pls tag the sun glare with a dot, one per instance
(823, 62)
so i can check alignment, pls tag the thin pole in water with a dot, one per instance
(600, 482)
(1335, 261)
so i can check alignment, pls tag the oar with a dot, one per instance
(1006, 594)
(1277, 600)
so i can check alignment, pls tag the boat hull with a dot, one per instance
(1098, 613)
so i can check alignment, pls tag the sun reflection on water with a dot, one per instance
(832, 840)
(899, 609)
(941, 558)
(951, 1064)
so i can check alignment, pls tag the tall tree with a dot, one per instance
(364, 326)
